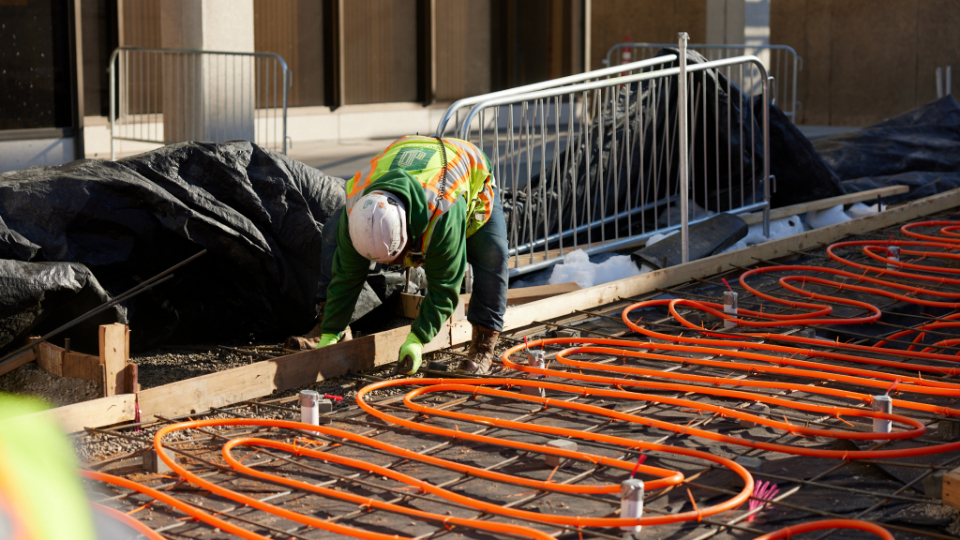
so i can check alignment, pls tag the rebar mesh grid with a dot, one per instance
(888, 492)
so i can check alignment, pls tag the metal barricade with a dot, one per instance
(166, 96)
(453, 112)
(597, 165)
(780, 61)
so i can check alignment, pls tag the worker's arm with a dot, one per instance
(446, 262)
(349, 274)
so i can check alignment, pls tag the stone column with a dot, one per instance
(725, 21)
(208, 97)
(757, 27)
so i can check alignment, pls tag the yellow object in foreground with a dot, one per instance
(40, 491)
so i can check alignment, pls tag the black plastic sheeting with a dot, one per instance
(920, 149)
(259, 213)
(44, 295)
(801, 173)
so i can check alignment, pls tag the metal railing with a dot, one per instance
(939, 76)
(780, 61)
(453, 112)
(165, 96)
(599, 165)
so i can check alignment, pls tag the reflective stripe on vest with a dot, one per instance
(468, 176)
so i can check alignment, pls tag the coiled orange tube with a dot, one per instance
(748, 353)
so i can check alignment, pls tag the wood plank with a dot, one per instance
(94, 413)
(539, 255)
(59, 362)
(284, 373)
(114, 356)
(295, 370)
(25, 357)
(951, 488)
(131, 379)
(409, 305)
(529, 294)
(50, 358)
(82, 366)
(823, 204)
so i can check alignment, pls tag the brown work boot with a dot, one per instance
(306, 341)
(479, 360)
(311, 339)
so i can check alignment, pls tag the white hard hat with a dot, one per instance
(378, 226)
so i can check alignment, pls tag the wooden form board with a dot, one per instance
(61, 363)
(114, 356)
(823, 204)
(112, 369)
(94, 413)
(25, 357)
(951, 488)
(299, 369)
(516, 297)
(263, 378)
(409, 305)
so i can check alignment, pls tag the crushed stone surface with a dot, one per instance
(171, 364)
(29, 379)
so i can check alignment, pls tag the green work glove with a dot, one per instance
(412, 348)
(327, 339)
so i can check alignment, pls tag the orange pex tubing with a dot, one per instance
(748, 353)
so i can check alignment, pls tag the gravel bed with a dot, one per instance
(171, 364)
(29, 379)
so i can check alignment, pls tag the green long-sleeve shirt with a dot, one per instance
(445, 259)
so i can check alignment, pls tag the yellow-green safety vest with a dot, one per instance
(468, 176)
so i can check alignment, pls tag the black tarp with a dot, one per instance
(919, 148)
(801, 173)
(40, 296)
(259, 213)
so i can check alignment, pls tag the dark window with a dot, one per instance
(35, 88)
(99, 28)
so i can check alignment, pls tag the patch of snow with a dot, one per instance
(860, 210)
(824, 218)
(779, 228)
(578, 268)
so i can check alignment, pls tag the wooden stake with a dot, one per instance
(114, 356)
(951, 488)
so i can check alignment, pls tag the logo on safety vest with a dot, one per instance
(412, 159)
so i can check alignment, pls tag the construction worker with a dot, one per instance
(420, 206)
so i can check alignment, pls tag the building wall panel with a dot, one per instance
(380, 51)
(464, 36)
(651, 21)
(866, 60)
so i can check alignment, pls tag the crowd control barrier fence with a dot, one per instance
(607, 161)
(781, 62)
(166, 96)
